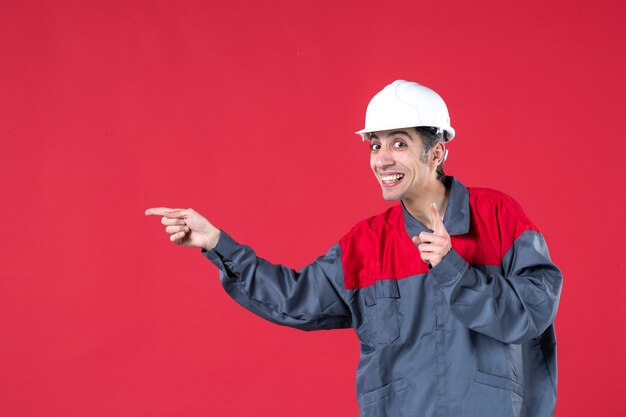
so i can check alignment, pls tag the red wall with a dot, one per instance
(246, 111)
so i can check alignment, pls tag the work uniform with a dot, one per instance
(470, 337)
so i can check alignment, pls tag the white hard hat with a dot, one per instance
(404, 104)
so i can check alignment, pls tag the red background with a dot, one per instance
(246, 111)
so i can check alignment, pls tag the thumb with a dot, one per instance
(416, 240)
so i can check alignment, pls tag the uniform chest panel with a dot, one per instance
(379, 248)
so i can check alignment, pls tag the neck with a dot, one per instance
(419, 207)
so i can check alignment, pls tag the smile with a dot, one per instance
(391, 179)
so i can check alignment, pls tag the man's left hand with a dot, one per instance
(434, 246)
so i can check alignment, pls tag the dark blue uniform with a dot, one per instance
(471, 337)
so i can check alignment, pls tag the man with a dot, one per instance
(452, 292)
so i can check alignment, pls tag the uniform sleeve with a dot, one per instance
(512, 307)
(308, 299)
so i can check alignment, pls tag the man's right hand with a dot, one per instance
(186, 227)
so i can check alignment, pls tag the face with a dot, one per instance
(396, 160)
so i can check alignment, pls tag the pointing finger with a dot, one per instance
(157, 211)
(170, 213)
(435, 218)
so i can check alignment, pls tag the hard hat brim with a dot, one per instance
(449, 130)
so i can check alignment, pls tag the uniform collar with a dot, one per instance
(457, 217)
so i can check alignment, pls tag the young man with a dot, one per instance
(452, 292)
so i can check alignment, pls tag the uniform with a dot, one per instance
(470, 337)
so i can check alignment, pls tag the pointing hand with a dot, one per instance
(433, 246)
(187, 227)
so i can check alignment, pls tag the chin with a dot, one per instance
(392, 197)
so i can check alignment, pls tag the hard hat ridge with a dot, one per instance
(404, 104)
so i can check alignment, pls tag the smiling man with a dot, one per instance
(451, 292)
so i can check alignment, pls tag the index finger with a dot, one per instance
(163, 211)
(435, 217)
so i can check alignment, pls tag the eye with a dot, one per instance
(399, 144)
(374, 146)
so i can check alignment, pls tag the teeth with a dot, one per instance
(392, 177)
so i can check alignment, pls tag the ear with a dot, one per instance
(438, 154)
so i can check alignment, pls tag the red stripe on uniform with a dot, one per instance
(379, 247)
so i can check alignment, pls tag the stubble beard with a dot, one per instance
(393, 196)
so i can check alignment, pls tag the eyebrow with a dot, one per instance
(394, 133)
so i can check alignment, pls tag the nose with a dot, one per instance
(383, 159)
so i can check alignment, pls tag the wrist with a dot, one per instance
(212, 240)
